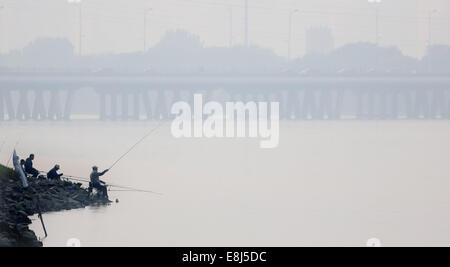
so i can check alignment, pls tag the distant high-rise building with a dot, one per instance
(319, 40)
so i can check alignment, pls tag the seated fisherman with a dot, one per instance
(53, 173)
(97, 183)
(29, 167)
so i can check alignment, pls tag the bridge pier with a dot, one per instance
(324, 107)
(421, 105)
(2, 105)
(161, 109)
(154, 103)
(23, 109)
(39, 112)
(125, 111)
(68, 106)
(292, 105)
(102, 106)
(337, 111)
(147, 105)
(308, 104)
(438, 105)
(9, 105)
(448, 105)
(371, 104)
(113, 115)
(136, 106)
(393, 115)
(54, 109)
(383, 105)
(359, 104)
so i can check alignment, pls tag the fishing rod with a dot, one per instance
(127, 188)
(38, 206)
(83, 179)
(136, 144)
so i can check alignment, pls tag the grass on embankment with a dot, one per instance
(6, 174)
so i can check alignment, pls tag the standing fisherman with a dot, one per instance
(97, 183)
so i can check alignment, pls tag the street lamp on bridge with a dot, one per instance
(1, 8)
(291, 15)
(377, 19)
(146, 12)
(430, 24)
(80, 17)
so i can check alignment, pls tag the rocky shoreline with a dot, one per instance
(17, 203)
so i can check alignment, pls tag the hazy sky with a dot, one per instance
(118, 25)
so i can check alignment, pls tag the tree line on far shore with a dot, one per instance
(182, 53)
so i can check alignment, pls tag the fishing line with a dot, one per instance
(136, 144)
(127, 188)
(83, 179)
(133, 189)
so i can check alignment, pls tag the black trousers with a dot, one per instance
(101, 188)
(33, 172)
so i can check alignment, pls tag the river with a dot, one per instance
(328, 183)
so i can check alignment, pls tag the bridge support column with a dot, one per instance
(359, 104)
(293, 104)
(68, 106)
(438, 104)
(125, 110)
(2, 106)
(136, 106)
(39, 112)
(161, 109)
(371, 105)
(23, 109)
(102, 107)
(113, 106)
(393, 115)
(147, 105)
(337, 110)
(325, 105)
(383, 105)
(113, 114)
(408, 104)
(448, 105)
(309, 105)
(54, 109)
(421, 106)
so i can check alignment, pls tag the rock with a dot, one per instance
(19, 203)
(22, 217)
(5, 242)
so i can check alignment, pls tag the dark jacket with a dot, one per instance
(53, 174)
(29, 165)
(95, 177)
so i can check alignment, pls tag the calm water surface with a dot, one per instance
(328, 183)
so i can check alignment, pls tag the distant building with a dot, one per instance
(319, 41)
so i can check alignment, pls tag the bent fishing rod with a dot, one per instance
(83, 179)
(136, 144)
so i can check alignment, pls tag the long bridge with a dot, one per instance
(60, 97)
